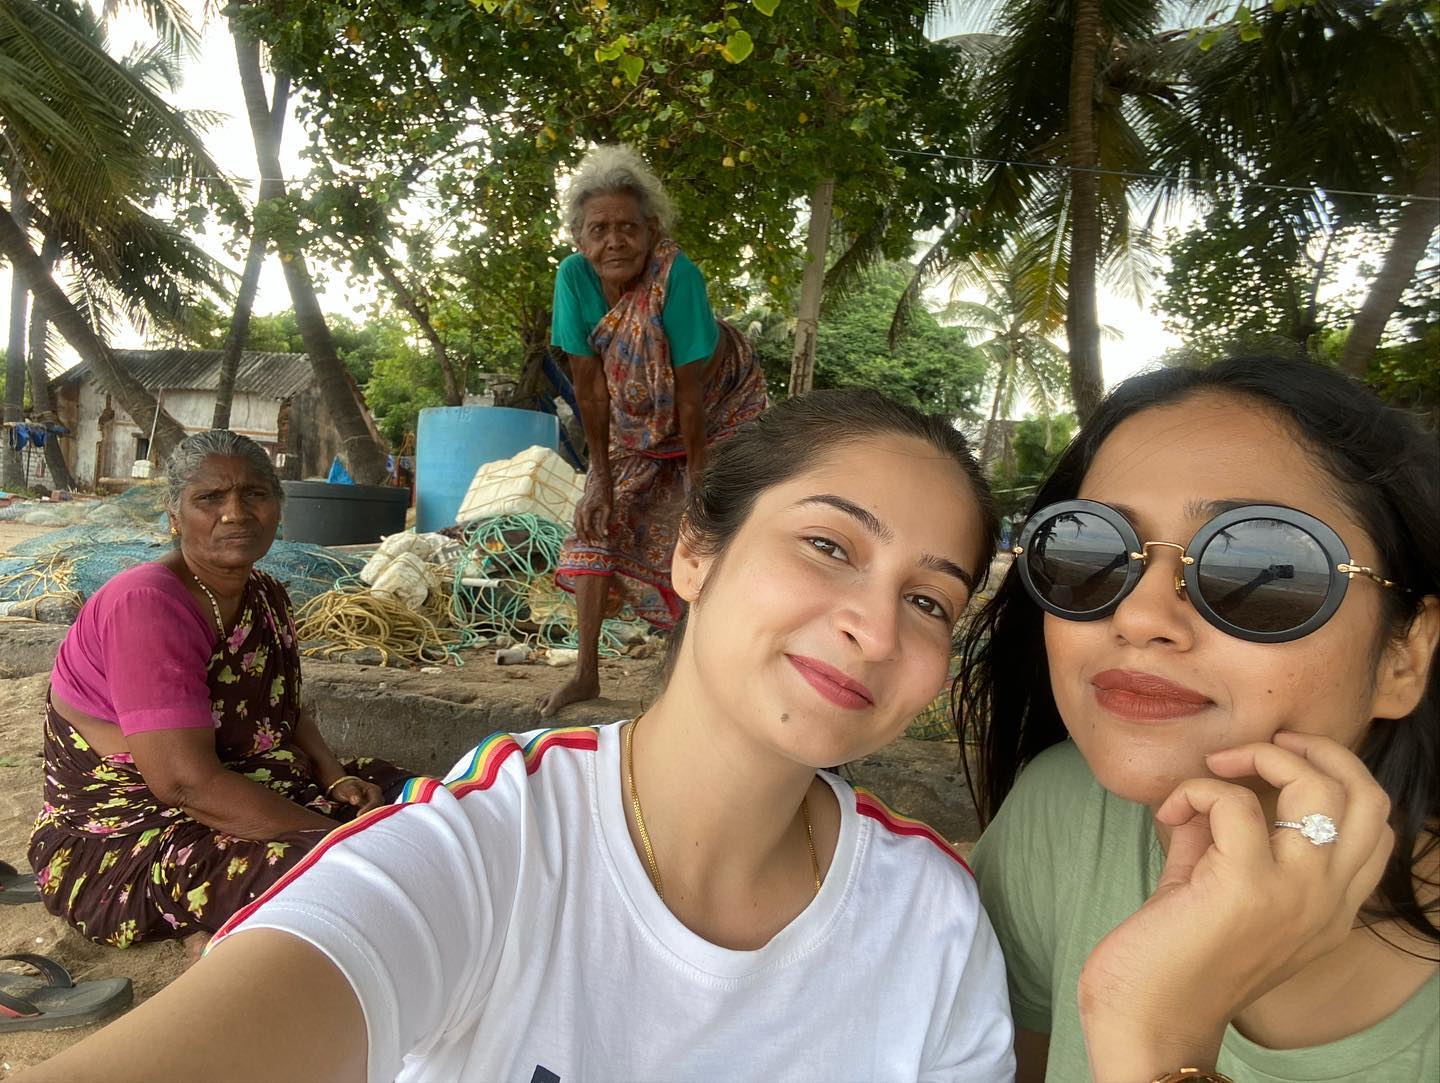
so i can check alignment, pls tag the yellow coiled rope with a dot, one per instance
(354, 617)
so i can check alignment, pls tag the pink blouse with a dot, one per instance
(138, 653)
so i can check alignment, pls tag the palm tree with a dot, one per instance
(1414, 227)
(1317, 101)
(239, 329)
(1082, 323)
(12, 476)
(1024, 307)
(363, 455)
(95, 144)
(1073, 95)
(39, 355)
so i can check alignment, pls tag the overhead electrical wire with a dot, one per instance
(1166, 178)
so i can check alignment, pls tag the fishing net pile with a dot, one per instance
(138, 505)
(488, 583)
(48, 577)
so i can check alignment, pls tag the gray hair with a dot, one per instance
(609, 170)
(190, 455)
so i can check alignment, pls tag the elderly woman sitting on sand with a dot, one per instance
(183, 776)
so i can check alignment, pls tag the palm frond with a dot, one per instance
(98, 128)
(156, 64)
(955, 238)
(168, 18)
(861, 255)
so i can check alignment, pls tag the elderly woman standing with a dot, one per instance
(659, 381)
(183, 776)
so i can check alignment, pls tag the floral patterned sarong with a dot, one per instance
(121, 866)
(647, 451)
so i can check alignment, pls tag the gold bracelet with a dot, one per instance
(343, 778)
(1192, 1075)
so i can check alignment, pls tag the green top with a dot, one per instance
(580, 304)
(1065, 861)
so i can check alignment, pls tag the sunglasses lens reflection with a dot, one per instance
(1077, 561)
(1264, 575)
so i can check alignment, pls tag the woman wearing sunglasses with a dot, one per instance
(1226, 599)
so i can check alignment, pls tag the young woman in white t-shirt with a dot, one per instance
(681, 896)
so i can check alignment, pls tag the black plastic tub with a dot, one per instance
(326, 514)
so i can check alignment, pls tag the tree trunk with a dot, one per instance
(534, 326)
(1082, 321)
(239, 331)
(137, 403)
(12, 470)
(361, 451)
(987, 448)
(419, 309)
(807, 318)
(1417, 222)
(55, 464)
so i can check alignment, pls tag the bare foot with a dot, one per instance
(577, 689)
(194, 945)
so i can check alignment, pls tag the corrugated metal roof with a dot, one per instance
(269, 375)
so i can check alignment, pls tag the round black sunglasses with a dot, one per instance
(1261, 572)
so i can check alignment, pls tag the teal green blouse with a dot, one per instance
(687, 318)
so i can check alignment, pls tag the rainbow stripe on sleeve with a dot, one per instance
(480, 774)
(867, 804)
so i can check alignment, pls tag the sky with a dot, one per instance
(212, 82)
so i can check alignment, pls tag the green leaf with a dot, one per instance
(766, 7)
(852, 6)
(1250, 32)
(631, 66)
(1208, 41)
(611, 51)
(738, 46)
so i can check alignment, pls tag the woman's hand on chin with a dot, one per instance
(1241, 906)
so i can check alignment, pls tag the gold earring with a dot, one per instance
(174, 531)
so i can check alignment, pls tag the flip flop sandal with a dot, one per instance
(54, 1001)
(17, 887)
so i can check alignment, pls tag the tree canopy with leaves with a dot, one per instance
(89, 148)
(934, 369)
(467, 111)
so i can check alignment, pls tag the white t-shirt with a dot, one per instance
(502, 927)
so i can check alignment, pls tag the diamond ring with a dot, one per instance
(1318, 828)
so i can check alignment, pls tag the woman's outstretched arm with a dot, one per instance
(262, 1005)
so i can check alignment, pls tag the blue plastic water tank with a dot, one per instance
(452, 442)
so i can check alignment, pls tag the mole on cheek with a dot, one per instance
(784, 718)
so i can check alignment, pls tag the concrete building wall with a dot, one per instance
(105, 440)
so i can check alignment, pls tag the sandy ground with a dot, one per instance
(12, 533)
(30, 928)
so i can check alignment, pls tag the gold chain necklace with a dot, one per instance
(650, 862)
(215, 605)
